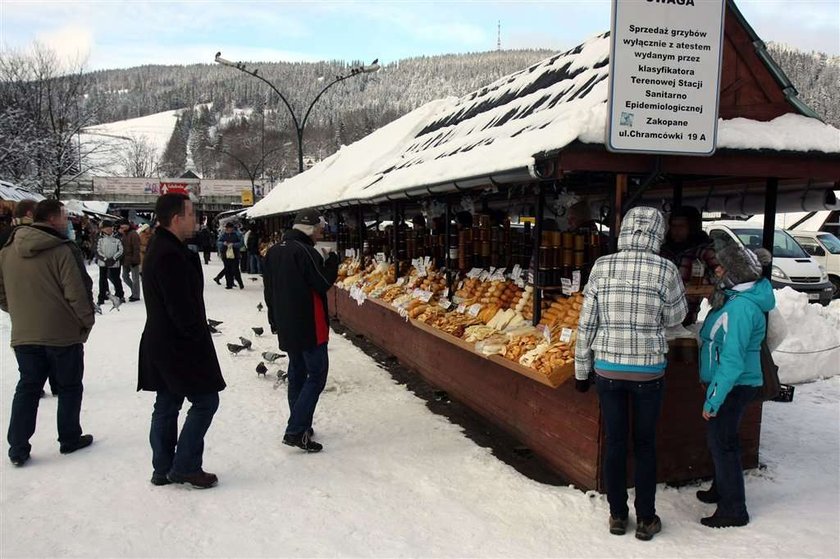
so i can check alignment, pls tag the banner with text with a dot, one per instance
(665, 66)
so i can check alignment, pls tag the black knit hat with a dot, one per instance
(309, 216)
(741, 264)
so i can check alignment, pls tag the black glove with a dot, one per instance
(582, 385)
(109, 262)
(273, 329)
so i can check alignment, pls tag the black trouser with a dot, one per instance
(722, 436)
(37, 363)
(207, 252)
(180, 454)
(112, 274)
(232, 272)
(646, 398)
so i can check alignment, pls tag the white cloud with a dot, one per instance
(71, 42)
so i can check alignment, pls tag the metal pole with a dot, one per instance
(538, 227)
(395, 240)
(770, 220)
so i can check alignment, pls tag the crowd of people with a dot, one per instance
(631, 298)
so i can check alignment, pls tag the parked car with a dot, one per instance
(792, 266)
(825, 249)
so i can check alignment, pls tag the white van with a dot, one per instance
(792, 266)
(825, 249)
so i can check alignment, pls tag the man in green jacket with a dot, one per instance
(48, 294)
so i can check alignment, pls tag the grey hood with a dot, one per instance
(642, 229)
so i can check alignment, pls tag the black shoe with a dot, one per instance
(160, 479)
(122, 300)
(133, 299)
(710, 496)
(646, 528)
(199, 480)
(231, 287)
(19, 460)
(84, 440)
(241, 287)
(721, 521)
(618, 526)
(43, 393)
(303, 442)
(218, 281)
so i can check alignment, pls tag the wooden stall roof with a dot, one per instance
(556, 111)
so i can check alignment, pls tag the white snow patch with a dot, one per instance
(394, 480)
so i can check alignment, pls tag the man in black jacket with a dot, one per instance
(297, 278)
(177, 357)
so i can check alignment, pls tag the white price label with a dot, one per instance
(462, 308)
(566, 335)
(484, 276)
(498, 275)
(400, 281)
(380, 257)
(445, 304)
(446, 292)
(427, 262)
(520, 283)
(417, 293)
(426, 296)
(516, 273)
(474, 310)
(546, 332)
(348, 253)
(575, 281)
(566, 283)
(474, 273)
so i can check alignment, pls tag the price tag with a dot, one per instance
(566, 284)
(426, 296)
(401, 281)
(474, 310)
(427, 262)
(566, 335)
(446, 292)
(575, 281)
(484, 275)
(417, 293)
(516, 273)
(445, 304)
(498, 275)
(546, 332)
(520, 283)
(462, 308)
(380, 257)
(474, 273)
(348, 253)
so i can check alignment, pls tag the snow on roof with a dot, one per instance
(14, 193)
(499, 128)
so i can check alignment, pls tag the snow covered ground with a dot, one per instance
(394, 479)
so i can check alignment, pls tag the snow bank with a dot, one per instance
(811, 349)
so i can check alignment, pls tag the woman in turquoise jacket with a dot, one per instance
(730, 366)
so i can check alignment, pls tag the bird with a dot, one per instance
(259, 307)
(272, 357)
(218, 54)
(214, 323)
(281, 374)
(375, 62)
(115, 302)
(212, 330)
(235, 349)
(97, 309)
(262, 369)
(254, 279)
(258, 331)
(246, 343)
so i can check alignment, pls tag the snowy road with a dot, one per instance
(394, 479)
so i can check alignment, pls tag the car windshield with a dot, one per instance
(830, 242)
(783, 244)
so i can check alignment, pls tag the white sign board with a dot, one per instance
(665, 65)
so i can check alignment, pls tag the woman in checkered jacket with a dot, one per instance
(631, 298)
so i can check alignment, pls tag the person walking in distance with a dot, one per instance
(109, 251)
(177, 358)
(630, 299)
(229, 245)
(46, 291)
(131, 259)
(297, 278)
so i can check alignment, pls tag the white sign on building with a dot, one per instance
(665, 65)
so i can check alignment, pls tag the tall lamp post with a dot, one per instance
(299, 124)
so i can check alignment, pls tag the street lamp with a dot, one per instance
(299, 124)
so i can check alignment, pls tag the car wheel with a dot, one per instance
(835, 281)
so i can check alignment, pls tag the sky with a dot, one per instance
(125, 33)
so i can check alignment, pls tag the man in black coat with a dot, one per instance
(177, 357)
(297, 278)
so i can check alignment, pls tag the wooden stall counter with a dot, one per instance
(557, 423)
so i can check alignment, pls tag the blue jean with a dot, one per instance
(722, 437)
(36, 364)
(307, 378)
(180, 454)
(646, 398)
(254, 263)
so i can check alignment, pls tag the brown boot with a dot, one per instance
(618, 526)
(199, 480)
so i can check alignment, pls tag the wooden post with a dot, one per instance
(362, 230)
(770, 220)
(618, 206)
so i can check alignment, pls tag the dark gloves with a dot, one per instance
(109, 262)
(582, 385)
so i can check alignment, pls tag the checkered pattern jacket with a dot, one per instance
(630, 299)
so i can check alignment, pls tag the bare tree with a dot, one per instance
(45, 99)
(139, 158)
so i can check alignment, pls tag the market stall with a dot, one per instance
(468, 228)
